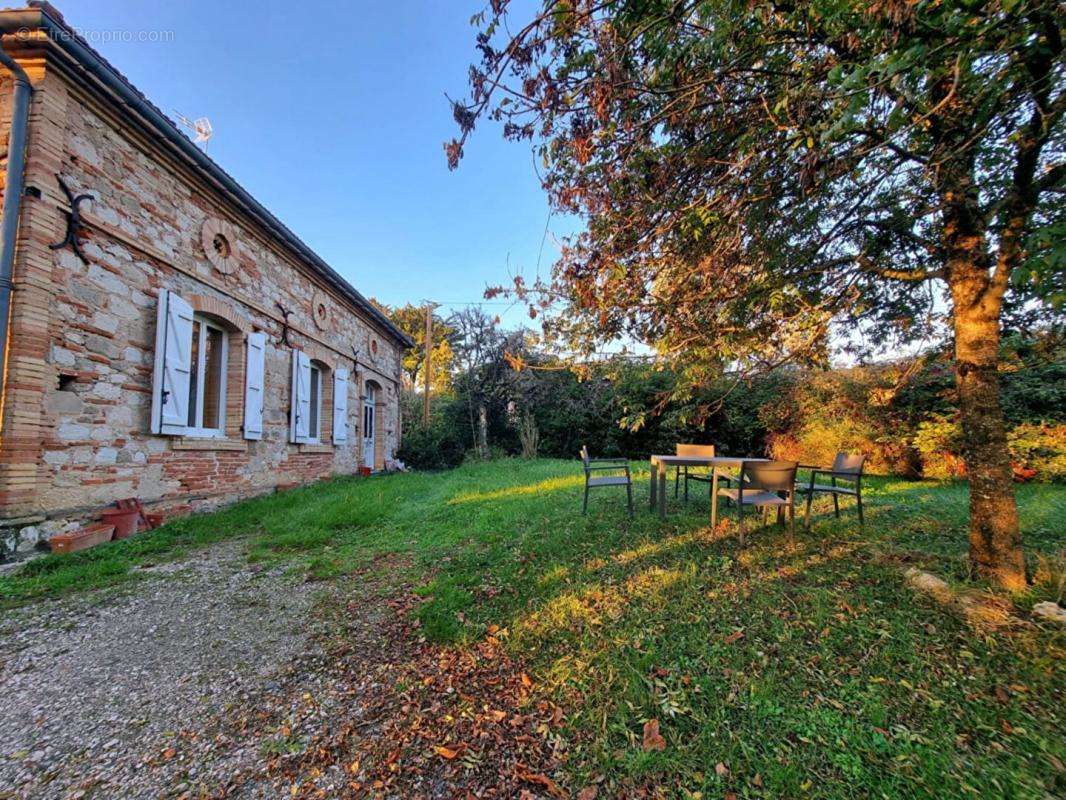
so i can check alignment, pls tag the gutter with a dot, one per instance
(40, 17)
(13, 178)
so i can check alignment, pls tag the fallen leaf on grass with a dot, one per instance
(445, 752)
(550, 786)
(588, 793)
(721, 769)
(557, 716)
(734, 637)
(526, 681)
(653, 740)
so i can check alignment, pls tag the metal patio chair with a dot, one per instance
(592, 465)
(847, 468)
(765, 485)
(706, 450)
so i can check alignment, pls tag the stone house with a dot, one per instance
(168, 338)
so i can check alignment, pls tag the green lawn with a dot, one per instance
(810, 670)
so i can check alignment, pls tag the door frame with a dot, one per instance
(369, 421)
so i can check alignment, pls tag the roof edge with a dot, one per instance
(42, 16)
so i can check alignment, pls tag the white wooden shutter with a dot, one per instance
(340, 406)
(300, 413)
(304, 426)
(173, 365)
(253, 385)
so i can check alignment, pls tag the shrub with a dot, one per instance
(1039, 450)
(845, 410)
(819, 440)
(939, 443)
(437, 446)
(1034, 381)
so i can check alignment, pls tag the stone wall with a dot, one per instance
(91, 427)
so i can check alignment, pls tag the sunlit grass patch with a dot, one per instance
(536, 489)
(600, 603)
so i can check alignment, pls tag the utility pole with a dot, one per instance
(427, 369)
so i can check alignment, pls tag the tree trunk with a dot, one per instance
(473, 421)
(483, 431)
(995, 539)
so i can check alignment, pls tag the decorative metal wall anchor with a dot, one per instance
(284, 340)
(355, 357)
(74, 222)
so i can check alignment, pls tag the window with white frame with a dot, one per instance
(307, 390)
(207, 384)
(191, 363)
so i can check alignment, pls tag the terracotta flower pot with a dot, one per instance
(155, 519)
(81, 539)
(365, 471)
(124, 519)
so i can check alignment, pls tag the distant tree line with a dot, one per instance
(504, 396)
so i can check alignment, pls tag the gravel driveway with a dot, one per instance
(122, 693)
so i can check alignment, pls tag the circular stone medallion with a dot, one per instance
(219, 240)
(320, 310)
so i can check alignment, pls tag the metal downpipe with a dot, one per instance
(16, 166)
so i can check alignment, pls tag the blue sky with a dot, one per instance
(333, 115)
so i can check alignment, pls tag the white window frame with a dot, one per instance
(314, 390)
(198, 430)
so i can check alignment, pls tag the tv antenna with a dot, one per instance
(200, 128)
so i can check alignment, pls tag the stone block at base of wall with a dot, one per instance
(20, 541)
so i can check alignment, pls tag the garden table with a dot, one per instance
(660, 465)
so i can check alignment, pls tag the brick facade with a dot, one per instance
(78, 389)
